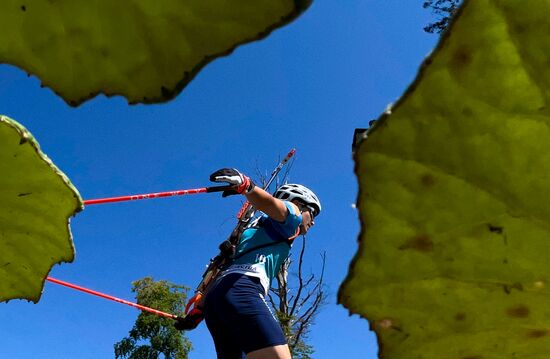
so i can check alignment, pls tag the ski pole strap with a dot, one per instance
(181, 192)
(110, 297)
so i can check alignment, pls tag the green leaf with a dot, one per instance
(37, 200)
(454, 196)
(146, 51)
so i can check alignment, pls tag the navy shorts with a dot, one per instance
(238, 317)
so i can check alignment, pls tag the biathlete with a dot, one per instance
(235, 310)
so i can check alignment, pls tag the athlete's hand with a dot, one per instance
(242, 184)
(190, 321)
(193, 313)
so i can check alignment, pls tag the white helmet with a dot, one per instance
(289, 192)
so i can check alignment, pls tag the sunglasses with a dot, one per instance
(304, 207)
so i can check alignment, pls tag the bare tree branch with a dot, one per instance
(296, 308)
(300, 280)
(272, 292)
(444, 9)
(305, 320)
(317, 288)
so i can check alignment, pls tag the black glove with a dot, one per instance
(189, 322)
(242, 183)
(193, 313)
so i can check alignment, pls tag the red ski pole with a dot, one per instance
(180, 192)
(110, 297)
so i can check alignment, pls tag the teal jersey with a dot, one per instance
(265, 246)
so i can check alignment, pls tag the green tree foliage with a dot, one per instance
(296, 304)
(444, 10)
(153, 336)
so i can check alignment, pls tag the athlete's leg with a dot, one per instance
(275, 352)
(239, 319)
(260, 332)
(216, 315)
(224, 341)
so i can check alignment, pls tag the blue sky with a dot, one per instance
(307, 86)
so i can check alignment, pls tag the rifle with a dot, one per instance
(194, 307)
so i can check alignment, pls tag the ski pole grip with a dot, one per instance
(219, 188)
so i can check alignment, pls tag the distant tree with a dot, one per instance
(296, 304)
(154, 337)
(444, 10)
